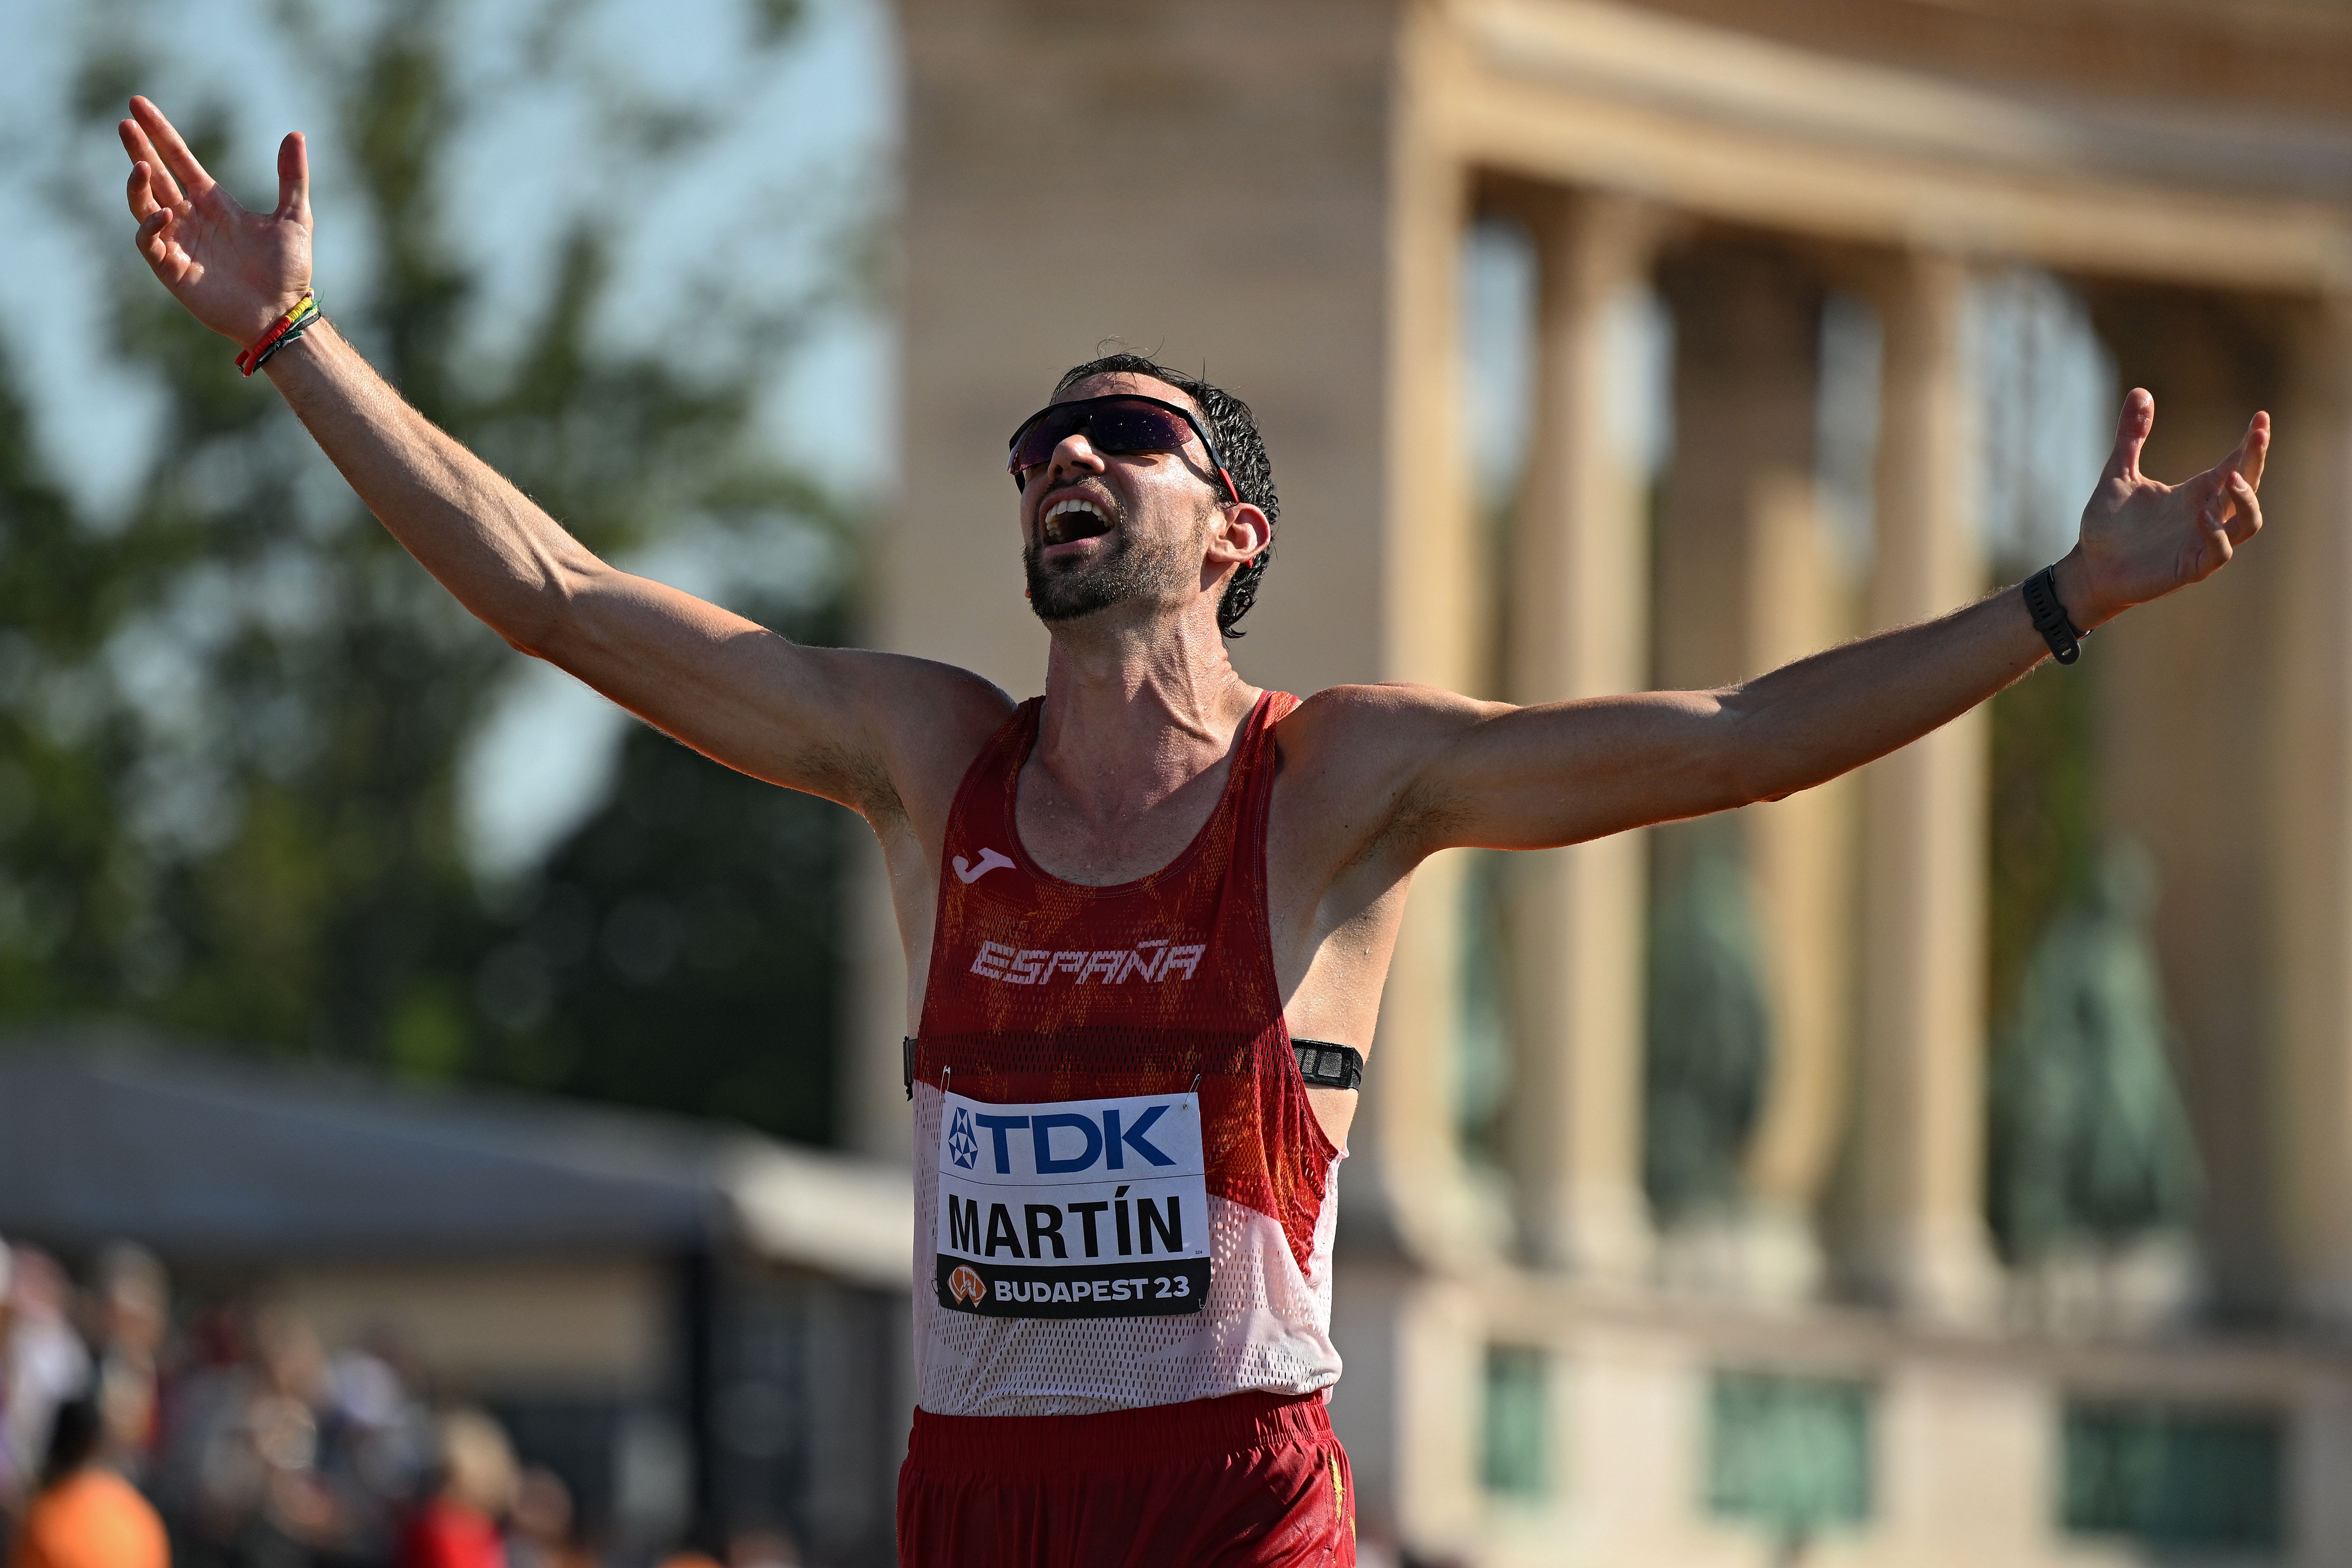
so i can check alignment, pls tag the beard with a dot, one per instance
(1066, 590)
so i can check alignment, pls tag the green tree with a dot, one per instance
(670, 947)
(227, 756)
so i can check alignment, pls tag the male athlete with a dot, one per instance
(1122, 903)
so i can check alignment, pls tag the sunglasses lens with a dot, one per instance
(1042, 433)
(1111, 425)
(1127, 427)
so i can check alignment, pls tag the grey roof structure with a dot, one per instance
(200, 1155)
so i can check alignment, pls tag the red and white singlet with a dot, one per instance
(1122, 1197)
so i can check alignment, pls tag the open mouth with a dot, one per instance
(1069, 520)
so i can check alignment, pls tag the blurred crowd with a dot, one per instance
(233, 1439)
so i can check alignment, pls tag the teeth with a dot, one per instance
(1050, 527)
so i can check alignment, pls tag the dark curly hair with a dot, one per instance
(1238, 443)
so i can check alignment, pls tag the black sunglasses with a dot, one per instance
(1120, 425)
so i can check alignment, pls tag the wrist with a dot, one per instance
(2071, 576)
(283, 334)
(250, 328)
(302, 346)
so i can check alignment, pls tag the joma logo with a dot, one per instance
(1156, 960)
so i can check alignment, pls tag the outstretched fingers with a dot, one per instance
(143, 155)
(2139, 417)
(175, 154)
(141, 193)
(2225, 493)
(2246, 510)
(154, 218)
(2252, 450)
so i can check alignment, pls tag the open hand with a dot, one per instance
(237, 271)
(2142, 538)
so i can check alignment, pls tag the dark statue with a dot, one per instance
(2089, 1138)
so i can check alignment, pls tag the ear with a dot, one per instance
(1241, 533)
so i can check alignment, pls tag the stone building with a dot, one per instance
(1545, 1364)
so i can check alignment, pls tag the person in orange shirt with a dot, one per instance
(86, 1516)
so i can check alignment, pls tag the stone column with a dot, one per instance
(1406, 1162)
(1746, 583)
(1581, 595)
(1801, 854)
(2308, 498)
(1920, 1239)
(2186, 689)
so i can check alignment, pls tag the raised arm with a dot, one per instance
(842, 723)
(1507, 777)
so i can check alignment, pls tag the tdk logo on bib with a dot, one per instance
(964, 1150)
(1076, 1208)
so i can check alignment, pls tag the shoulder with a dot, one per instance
(1353, 759)
(1375, 727)
(934, 715)
(902, 686)
(924, 722)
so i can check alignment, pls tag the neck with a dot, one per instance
(1138, 706)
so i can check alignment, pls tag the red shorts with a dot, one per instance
(1252, 1480)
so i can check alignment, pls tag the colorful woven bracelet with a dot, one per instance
(305, 311)
(309, 320)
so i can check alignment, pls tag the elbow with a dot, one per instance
(1759, 777)
(1747, 771)
(1735, 785)
(1731, 769)
(1762, 780)
(542, 630)
(548, 623)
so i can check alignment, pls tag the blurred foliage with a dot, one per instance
(681, 949)
(230, 722)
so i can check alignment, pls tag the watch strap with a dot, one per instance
(2050, 616)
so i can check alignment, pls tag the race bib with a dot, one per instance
(1073, 1209)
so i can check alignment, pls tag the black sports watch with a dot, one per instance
(2050, 616)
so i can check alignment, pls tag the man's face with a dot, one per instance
(1100, 529)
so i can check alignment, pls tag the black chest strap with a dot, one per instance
(1326, 1065)
(1320, 1063)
